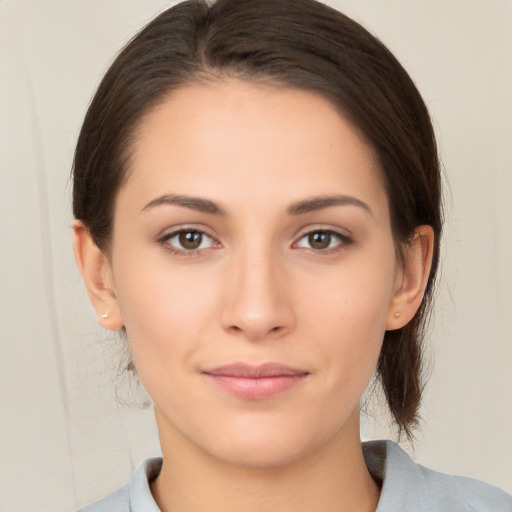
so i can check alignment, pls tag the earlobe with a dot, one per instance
(412, 278)
(95, 268)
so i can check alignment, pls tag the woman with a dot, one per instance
(257, 195)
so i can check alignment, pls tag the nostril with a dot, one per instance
(254, 332)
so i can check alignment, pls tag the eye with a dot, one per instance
(321, 240)
(187, 240)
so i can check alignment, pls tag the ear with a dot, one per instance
(94, 265)
(411, 279)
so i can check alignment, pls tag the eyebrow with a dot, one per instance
(321, 202)
(194, 203)
(298, 208)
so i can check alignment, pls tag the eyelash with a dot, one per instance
(166, 242)
(342, 240)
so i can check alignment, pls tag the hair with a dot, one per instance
(300, 44)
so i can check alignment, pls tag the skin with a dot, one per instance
(256, 290)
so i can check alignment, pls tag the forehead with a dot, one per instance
(233, 136)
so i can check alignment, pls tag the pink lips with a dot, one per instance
(256, 382)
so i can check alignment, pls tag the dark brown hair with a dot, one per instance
(287, 43)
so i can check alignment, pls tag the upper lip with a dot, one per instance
(252, 371)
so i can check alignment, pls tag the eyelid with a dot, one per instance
(343, 238)
(180, 228)
(340, 234)
(167, 235)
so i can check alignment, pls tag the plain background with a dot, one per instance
(64, 439)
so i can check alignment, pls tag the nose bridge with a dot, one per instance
(258, 303)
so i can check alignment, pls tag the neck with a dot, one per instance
(333, 478)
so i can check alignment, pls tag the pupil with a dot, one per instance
(319, 240)
(190, 239)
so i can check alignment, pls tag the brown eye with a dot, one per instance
(190, 240)
(319, 240)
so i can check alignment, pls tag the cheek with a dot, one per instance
(164, 308)
(356, 297)
(347, 316)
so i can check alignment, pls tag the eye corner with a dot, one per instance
(188, 241)
(323, 240)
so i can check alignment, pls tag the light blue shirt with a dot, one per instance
(406, 486)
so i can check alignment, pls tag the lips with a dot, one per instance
(256, 382)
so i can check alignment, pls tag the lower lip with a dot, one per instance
(260, 388)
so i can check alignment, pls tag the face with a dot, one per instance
(254, 270)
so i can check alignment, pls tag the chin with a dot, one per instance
(267, 445)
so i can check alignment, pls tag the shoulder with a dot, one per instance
(118, 501)
(134, 497)
(410, 486)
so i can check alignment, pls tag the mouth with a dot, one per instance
(256, 382)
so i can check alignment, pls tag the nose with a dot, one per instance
(258, 304)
